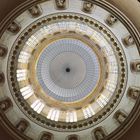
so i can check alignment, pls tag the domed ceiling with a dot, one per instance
(69, 70)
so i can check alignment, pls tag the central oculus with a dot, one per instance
(68, 70)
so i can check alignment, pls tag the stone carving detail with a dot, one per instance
(134, 92)
(99, 133)
(61, 4)
(47, 136)
(22, 125)
(120, 116)
(5, 104)
(35, 11)
(128, 40)
(135, 66)
(14, 27)
(73, 137)
(87, 7)
(3, 51)
(111, 20)
(2, 78)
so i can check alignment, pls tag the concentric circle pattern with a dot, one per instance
(96, 59)
(70, 67)
(73, 54)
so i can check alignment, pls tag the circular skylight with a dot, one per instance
(68, 70)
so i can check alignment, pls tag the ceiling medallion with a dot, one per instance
(66, 68)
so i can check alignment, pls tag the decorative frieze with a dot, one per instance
(14, 27)
(35, 11)
(87, 7)
(3, 51)
(5, 104)
(2, 78)
(73, 137)
(99, 133)
(61, 4)
(111, 20)
(128, 40)
(135, 66)
(133, 92)
(47, 136)
(22, 125)
(120, 116)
